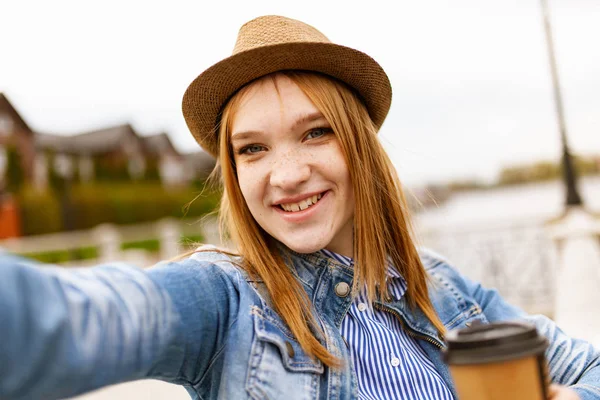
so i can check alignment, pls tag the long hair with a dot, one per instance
(382, 229)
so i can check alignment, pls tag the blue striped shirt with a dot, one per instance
(389, 363)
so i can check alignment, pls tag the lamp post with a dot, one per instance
(575, 236)
(569, 175)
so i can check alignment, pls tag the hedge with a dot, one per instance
(90, 253)
(15, 176)
(119, 203)
(40, 212)
(61, 256)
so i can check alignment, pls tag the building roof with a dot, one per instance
(94, 142)
(158, 144)
(7, 107)
(103, 140)
(56, 143)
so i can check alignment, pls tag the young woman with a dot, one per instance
(326, 296)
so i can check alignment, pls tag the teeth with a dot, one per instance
(302, 205)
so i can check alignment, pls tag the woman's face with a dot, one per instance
(291, 169)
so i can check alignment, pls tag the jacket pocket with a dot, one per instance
(455, 308)
(472, 315)
(279, 367)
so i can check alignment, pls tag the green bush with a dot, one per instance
(152, 170)
(90, 253)
(118, 203)
(111, 169)
(151, 245)
(50, 257)
(90, 208)
(40, 212)
(190, 242)
(61, 256)
(15, 175)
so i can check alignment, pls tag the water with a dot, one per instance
(500, 238)
(519, 204)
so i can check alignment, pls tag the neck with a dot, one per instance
(343, 243)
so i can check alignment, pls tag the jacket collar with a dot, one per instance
(319, 274)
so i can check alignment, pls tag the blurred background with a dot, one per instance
(96, 162)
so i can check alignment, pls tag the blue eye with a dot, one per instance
(318, 132)
(251, 149)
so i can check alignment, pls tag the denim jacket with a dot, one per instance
(202, 323)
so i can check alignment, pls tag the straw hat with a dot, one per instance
(273, 43)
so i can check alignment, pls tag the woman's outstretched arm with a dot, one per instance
(65, 332)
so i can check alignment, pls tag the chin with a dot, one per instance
(303, 247)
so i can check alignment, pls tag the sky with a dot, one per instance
(471, 79)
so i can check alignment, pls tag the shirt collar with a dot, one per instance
(392, 271)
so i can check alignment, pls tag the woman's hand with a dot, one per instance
(558, 392)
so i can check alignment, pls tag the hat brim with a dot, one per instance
(208, 93)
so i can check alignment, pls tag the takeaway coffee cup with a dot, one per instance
(498, 361)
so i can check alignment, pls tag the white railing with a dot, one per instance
(108, 238)
(519, 259)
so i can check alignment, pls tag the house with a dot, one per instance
(15, 135)
(165, 159)
(113, 153)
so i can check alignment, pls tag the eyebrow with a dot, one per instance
(306, 118)
(303, 119)
(243, 135)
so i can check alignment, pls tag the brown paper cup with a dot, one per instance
(498, 361)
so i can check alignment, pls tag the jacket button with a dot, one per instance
(290, 349)
(342, 289)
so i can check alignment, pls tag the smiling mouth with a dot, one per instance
(301, 205)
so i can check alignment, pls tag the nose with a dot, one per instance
(289, 171)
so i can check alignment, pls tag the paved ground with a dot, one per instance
(139, 390)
